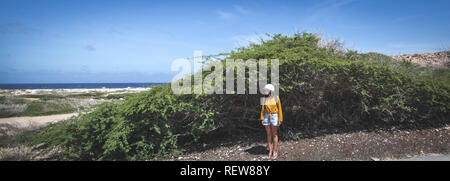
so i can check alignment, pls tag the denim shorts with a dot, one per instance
(273, 120)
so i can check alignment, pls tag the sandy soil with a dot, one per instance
(21, 123)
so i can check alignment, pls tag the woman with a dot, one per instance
(271, 118)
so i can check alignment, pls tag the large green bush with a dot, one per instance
(320, 89)
(148, 125)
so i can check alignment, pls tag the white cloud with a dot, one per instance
(245, 40)
(225, 15)
(326, 10)
(333, 4)
(242, 10)
(235, 12)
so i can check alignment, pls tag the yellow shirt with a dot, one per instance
(270, 106)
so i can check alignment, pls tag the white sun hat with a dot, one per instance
(269, 87)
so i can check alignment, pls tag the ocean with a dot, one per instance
(77, 85)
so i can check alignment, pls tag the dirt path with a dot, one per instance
(379, 145)
(21, 123)
(432, 157)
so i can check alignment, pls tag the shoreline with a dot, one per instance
(18, 92)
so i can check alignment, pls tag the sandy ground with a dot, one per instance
(427, 144)
(21, 123)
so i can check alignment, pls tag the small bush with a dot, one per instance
(94, 95)
(118, 96)
(44, 97)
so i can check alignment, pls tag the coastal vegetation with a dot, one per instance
(40, 103)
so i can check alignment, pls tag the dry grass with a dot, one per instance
(16, 153)
(21, 152)
(12, 109)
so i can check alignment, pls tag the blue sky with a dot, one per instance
(44, 41)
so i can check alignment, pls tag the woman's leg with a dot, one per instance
(274, 130)
(269, 139)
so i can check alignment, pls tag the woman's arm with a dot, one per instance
(262, 112)
(280, 112)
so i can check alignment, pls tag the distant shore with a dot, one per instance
(17, 86)
(18, 92)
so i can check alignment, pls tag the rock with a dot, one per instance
(374, 159)
(436, 59)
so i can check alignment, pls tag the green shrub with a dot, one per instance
(44, 97)
(38, 108)
(19, 101)
(118, 96)
(5, 113)
(147, 125)
(93, 94)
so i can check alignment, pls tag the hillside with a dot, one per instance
(435, 59)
